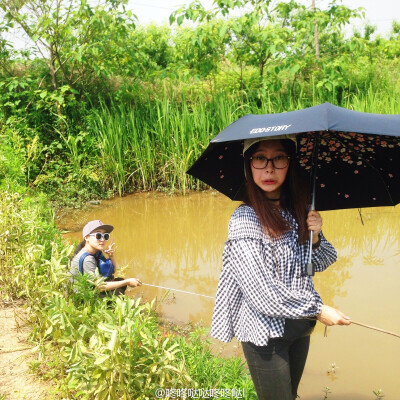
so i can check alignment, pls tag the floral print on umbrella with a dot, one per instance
(352, 148)
(355, 150)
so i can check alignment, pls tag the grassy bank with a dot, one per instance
(148, 145)
(92, 349)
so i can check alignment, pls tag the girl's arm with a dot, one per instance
(323, 255)
(331, 316)
(131, 282)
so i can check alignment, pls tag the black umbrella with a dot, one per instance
(352, 158)
(356, 154)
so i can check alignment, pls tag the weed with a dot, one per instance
(332, 369)
(326, 391)
(34, 367)
(378, 394)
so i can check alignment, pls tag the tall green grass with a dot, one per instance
(150, 145)
(373, 101)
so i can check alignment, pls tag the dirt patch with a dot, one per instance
(16, 380)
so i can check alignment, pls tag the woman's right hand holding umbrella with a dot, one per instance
(331, 316)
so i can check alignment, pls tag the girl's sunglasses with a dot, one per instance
(99, 235)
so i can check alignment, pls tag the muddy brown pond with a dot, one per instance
(177, 242)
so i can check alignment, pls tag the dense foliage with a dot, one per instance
(100, 104)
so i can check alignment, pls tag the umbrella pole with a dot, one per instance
(310, 269)
(310, 266)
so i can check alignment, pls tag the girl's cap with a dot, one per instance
(96, 224)
(249, 142)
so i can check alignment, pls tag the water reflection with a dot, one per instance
(177, 242)
(377, 232)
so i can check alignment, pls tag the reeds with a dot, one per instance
(375, 101)
(149, 145)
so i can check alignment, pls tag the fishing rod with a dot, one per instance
(178, 290)
(212, 297)
(375, 329)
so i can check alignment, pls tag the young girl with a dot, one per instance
(95, 235)
(264, 298)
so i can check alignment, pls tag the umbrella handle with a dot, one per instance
(310, 269)
(310, 266)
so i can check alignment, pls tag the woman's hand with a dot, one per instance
(133, 282)
(314, 223)
(330, 316)
(110, 249)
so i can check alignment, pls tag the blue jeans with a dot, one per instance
(276, 369)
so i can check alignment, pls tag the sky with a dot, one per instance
(377, 12)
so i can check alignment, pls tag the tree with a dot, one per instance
(80, 44)
(276, 37)
(315, 33)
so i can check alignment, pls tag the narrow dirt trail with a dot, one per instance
(16, 380)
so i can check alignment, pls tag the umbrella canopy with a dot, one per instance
(354, 157)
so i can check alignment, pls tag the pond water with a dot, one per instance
(177, 242)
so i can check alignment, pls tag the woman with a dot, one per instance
(264, 298)
(89, 259)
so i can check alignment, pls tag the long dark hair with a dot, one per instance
(78, 248)
(295, 196)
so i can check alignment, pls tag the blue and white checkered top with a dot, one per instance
(262, 280)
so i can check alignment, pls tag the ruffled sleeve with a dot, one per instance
(323, 256)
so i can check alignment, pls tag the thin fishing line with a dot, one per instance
(178, 290)
(175, 290)
(211, 297)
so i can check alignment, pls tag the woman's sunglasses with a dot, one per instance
(100, 236)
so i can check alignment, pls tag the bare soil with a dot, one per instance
(16, 380)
